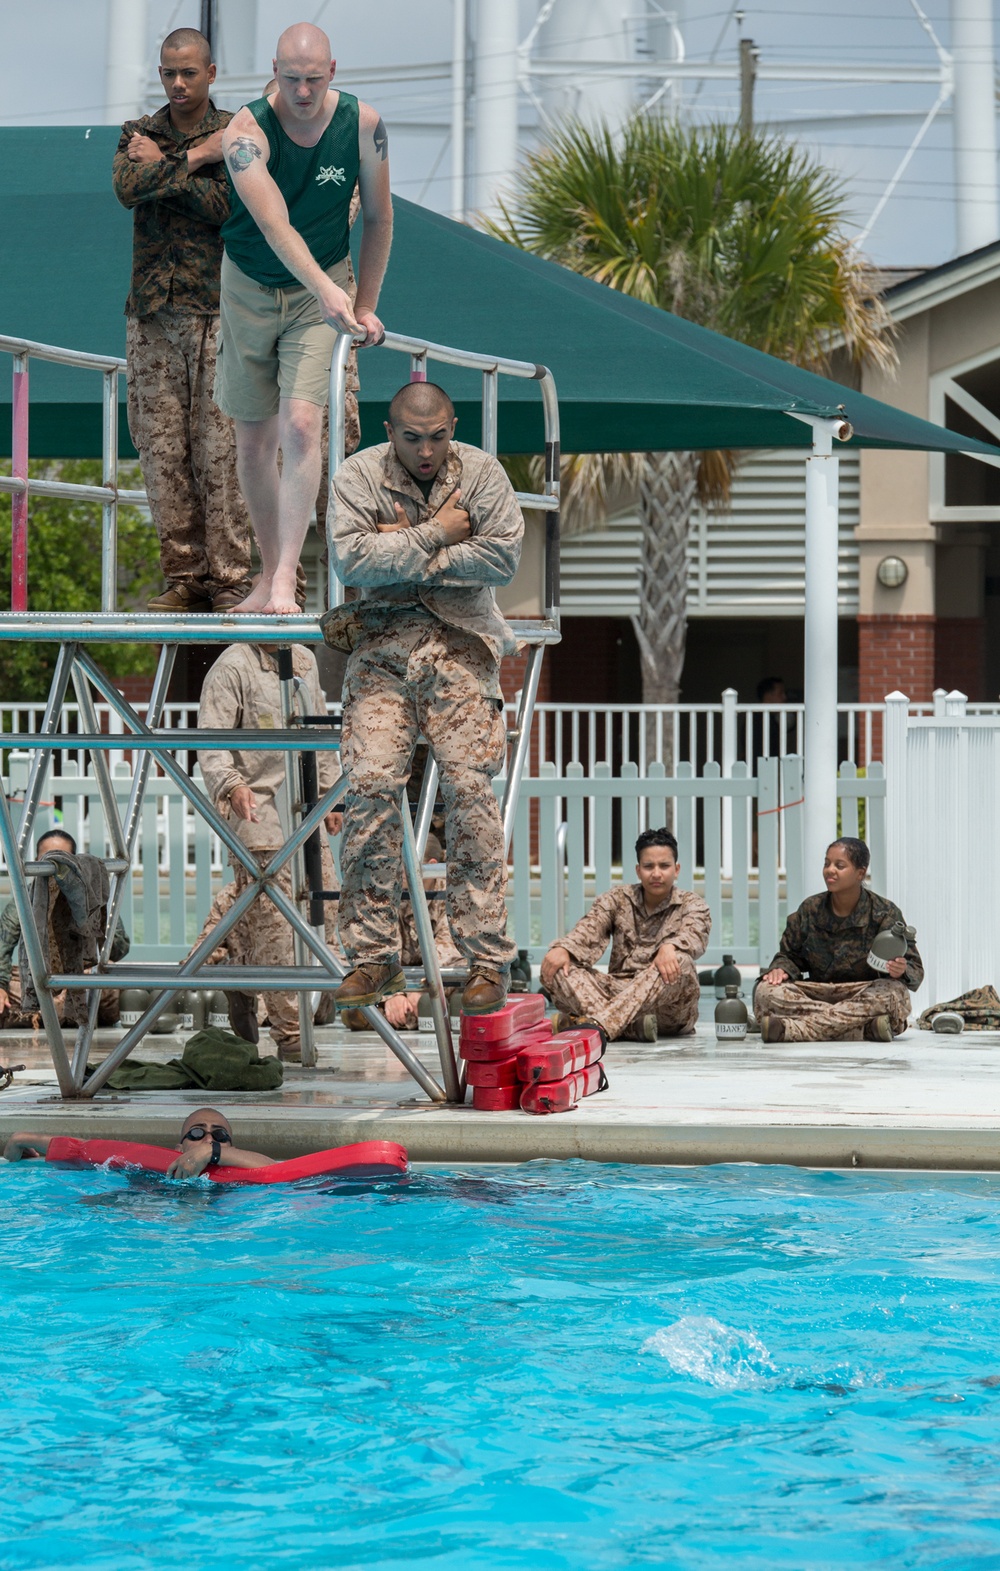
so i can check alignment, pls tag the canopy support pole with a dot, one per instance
(822, 519)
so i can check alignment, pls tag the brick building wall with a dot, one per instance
(960, 655)
(895, 653)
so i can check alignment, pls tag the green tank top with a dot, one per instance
(317, 184)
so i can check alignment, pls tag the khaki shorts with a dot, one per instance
(273, 344)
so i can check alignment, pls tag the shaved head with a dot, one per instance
(420, 401)
(188, 38)
(303, 41)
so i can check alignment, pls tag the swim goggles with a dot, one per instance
(201, 1132)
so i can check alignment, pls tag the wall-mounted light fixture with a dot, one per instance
(892, 572)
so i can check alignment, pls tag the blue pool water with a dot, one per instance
(545, 1366)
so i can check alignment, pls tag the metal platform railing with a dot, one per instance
(317, 968)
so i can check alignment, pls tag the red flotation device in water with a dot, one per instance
(368, 1159)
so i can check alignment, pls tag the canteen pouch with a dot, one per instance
(341, 627)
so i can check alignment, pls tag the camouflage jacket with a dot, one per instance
(635, 933)
(241, 691)
(176, 244)
(414, 567)
(10, 937)
(835, 948)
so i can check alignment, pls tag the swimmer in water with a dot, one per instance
(206, 1141)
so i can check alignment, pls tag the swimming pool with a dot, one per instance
(550, 1365)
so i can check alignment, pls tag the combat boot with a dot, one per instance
(485, 991)
(368, 984)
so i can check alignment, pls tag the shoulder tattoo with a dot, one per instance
(380, 136)
(242, 153)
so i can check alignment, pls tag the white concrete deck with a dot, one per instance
(924, 1101)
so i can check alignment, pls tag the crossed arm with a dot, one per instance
(143, 173)
(246, 151)
(472, 539)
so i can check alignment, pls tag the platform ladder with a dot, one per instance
(316, 968)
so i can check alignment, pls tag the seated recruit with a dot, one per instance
(830, 937)
(657, 932)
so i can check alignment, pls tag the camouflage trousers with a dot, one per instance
(422, 678)
(12, 1018)
(619, 1002)
(266, 940)
(187, 450)
(833, 1011)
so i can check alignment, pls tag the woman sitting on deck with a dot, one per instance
(830, 937)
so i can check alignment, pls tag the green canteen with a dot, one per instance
(132, 1004)
(731, 1016)
(727, 976)
(217, 1010)
(890, 944)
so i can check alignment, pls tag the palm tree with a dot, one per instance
(742, 234)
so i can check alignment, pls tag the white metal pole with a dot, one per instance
(458, 108)
(820, 807)
(496, 99)
(976, 215)
(125, 71)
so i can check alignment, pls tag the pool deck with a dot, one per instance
(924, 1101)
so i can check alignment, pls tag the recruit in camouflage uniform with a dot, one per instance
(241, 691)
(633, 987)
(186, 445)
(10, 976)
(426, 639)
(843, 996)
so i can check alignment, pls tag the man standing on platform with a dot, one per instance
(242, 692)
(293, 160)
(168, 169)
(426, 528)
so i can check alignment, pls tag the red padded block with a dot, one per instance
(499, 1072)
(520, 1011)
(558, 1096)
(493, 1052)
(496, 1099)
(562, 1055)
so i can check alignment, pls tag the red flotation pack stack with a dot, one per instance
(368, 1159)
(513, 1060)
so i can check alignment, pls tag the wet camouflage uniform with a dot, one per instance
(427, 643)
(185, 444)
(979, 1008)
(241, 691)
(10, 976)
(633, 987)
(843, 993)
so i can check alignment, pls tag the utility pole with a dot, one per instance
(125, 69)
(976, 216)
(748, 76)
(496, 98)
(209, 22)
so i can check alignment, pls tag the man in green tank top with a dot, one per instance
(292, 160)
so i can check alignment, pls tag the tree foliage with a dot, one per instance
(741, 234)
(64, 573)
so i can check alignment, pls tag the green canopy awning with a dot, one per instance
(630, 377)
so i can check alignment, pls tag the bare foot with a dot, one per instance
(281, 599)
(281, 605)
(257, 600)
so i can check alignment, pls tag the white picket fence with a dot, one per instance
(943, 848)
(727, 732)
(574, 836)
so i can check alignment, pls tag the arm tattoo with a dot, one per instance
(380, 136)
(242, 153)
